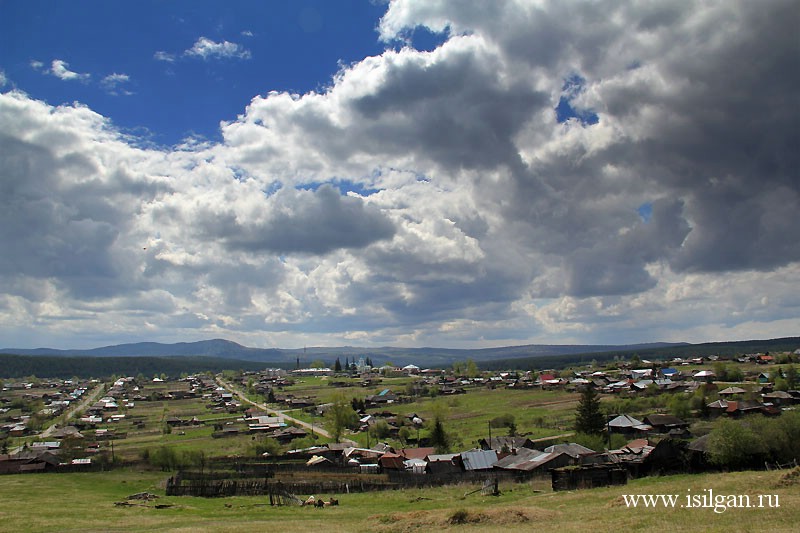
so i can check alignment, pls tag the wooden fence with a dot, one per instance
(587, 477)
(176, 486)
(322, 481)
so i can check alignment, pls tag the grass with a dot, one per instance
(87, 503)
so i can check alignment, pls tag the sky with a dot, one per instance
(452, 173)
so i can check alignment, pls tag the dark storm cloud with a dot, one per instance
(49, 230)
(454, 110)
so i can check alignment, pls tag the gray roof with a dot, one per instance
(514, 461)
(442, 457)
(479, 459)
(625, 421)
(572, 449)
(532, 462)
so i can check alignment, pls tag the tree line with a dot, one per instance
(19, 366)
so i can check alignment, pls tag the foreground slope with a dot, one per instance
(89, 504)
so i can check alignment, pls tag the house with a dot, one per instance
(779, 398)
(641, 458)
(670, 373)
(665, 423)
(174, 421)
(392, 461)
(732, 391)
(287, 434)
(67, 432)
(386, 396)
(632, 453)
(449, 463)
(716, 408)
(415, 466)
(527, 460)
(627, 425)
(363, 456)
(734, 408)
(572, 449)
(397, 461)
(705, 375)
(31, 461)
(643, 373)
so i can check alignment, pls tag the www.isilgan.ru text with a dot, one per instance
(706, 499)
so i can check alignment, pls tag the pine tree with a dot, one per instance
(439, 437)
(337, 367)
(588, 417)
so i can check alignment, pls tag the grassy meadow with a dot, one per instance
(537, 413)
(87, 502)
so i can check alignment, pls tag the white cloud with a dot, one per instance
(164, 56)
(60, 69)
(206, 48)
(113, 83)
(433, 197)
(3, 78)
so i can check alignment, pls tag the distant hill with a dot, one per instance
(653, 352)
(210, 348)
(225, 349)
(215, 355)
(525, 356)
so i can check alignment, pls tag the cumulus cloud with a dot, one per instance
(60, 69)
(552, 172)
(206, 49)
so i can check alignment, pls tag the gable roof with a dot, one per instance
(664, 420)
(497, 443)
(572, 449)
(416, 453)
(628, 422)
(732, 390)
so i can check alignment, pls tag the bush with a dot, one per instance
(599, 443)
(502, 421)
(459, 516)
(268, 445)
(732, 444)
(748, 443)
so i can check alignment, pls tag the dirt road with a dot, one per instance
(275, 412)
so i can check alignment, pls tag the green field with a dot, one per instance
(537, 413)
(86, 502)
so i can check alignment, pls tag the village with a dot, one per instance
(371, 428)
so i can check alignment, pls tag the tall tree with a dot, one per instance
(439, 437)
(337, 366)
(588, 417)
(791, 377)
(339, 417)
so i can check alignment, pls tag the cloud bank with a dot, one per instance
(553, 172)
